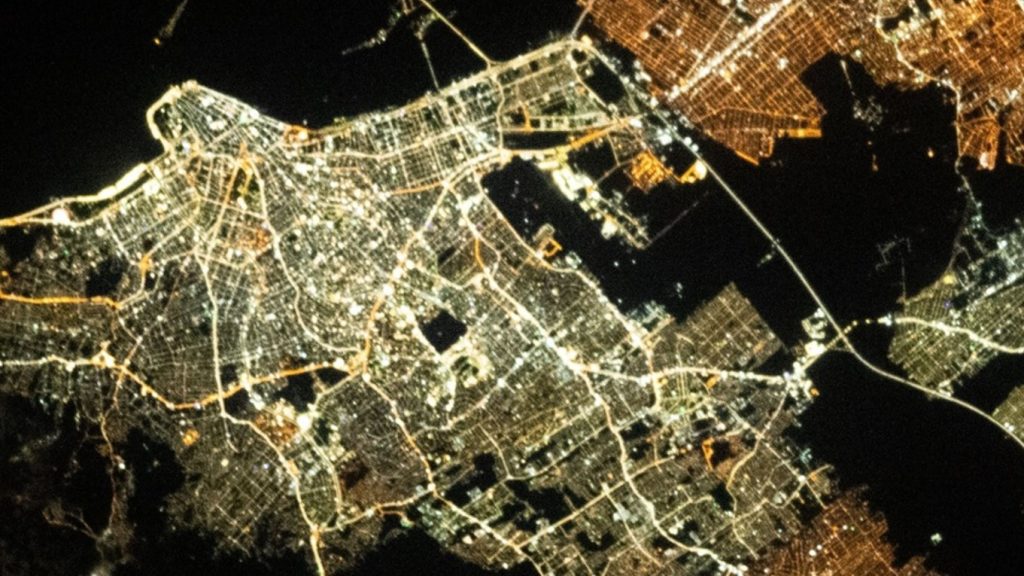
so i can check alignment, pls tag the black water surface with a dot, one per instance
(780, 299)
(931, 467)
(79, 76)
(504, 30)
(1000, 193)
(835, 203)
(838, 201)
(682, 270)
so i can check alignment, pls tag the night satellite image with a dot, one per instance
(530, 287)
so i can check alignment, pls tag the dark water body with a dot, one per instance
(681, 270)
(79, 76)
(502, 30)
(931, 467)
(835, 213)
(780, 298)
(1000, 193)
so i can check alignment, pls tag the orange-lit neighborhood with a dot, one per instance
(734, 68)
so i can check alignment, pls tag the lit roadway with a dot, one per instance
(670, 124)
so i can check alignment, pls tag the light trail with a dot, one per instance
(462, 36)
